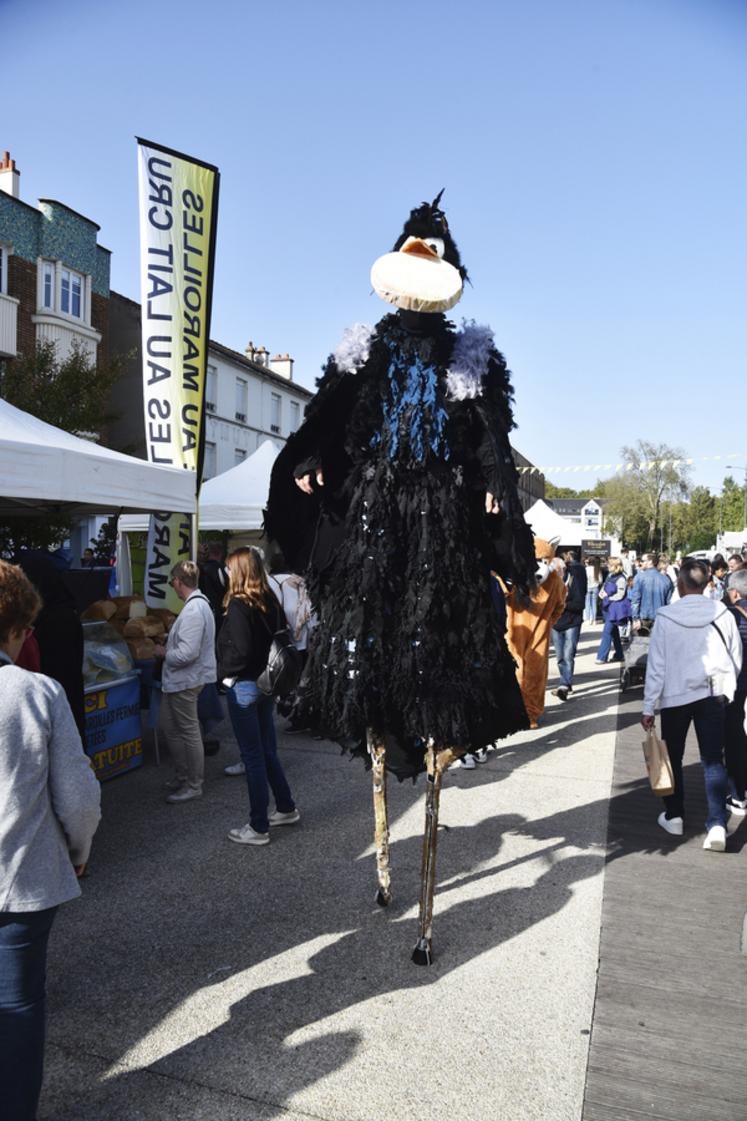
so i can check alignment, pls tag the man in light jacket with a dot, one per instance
(188, 664)
(693, 662)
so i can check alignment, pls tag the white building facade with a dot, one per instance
(249, 398)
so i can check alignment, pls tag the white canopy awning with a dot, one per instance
(549, 525)
(234, 500)
(42, 465)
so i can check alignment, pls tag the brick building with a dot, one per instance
(54, 276)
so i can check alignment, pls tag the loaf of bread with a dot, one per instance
(99, 612)
(122, 604)
(166, 617)
(141, 648)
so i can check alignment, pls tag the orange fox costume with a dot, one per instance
(529, 624)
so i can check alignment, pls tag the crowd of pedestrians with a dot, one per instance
(695, 613)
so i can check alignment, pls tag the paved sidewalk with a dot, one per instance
(199, 979)
(670, 1020)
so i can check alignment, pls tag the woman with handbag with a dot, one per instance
(616, 608)
(252, 616)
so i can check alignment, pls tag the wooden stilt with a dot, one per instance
(377, 751)
(436, 764)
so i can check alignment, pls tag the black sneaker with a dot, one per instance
(561, 692)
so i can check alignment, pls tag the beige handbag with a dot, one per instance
(659, 768)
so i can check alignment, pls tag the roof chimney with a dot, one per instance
(282, 364)
(10, 179)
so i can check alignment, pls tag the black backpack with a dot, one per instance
(284, 663)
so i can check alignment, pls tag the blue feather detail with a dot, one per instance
(413, 410)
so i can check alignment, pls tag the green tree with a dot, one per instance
(655, 475)
(71, 394)
(696, 522)
(551, 491)
(731, 516)
(624, 513)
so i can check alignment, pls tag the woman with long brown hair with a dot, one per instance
(252, 615)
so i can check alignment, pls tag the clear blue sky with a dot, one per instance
(594, 154)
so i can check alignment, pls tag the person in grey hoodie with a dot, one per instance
(188, 664)
(49, 812)
(693, 663)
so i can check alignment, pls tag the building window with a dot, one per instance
(295, 417)
(71, 293)
(275, 412)
(239, 455)
(63, 291)
(211, 389)
(242, 399)
(208, 467)
(4, 259)
(48, 285)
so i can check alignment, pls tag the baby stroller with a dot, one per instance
(635, 656)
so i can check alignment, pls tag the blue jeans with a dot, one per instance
(590, 607)
(610, 635)
(251, 713)
(23, 969)
(565, 643)
(709, 717)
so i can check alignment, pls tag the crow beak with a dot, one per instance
(416, 247)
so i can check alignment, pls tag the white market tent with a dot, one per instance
(232, 501)
(549, 525)
(42, 466)
(236, 499)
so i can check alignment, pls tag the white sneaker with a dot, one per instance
(715, 839)
(736, 806)
(235, 769)
(468, 762)
(290, 818)
(482, 755)
(673, 825)
(247, 836)
(183, 794)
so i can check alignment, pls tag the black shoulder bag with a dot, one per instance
(284, 663)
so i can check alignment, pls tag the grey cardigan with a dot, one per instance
(190, 648)
(49, 796)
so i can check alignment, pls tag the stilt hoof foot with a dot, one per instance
(383, 898)
(422, 954)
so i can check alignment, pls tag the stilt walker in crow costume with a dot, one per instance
(397, 497)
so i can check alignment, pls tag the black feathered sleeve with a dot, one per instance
(291, 517)
(512, 538)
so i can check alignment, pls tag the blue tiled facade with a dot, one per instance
(56, 232)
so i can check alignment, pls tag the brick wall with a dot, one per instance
(100, 323)
(22, 285)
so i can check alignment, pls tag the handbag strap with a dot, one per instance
(726, 645)
(279, 627)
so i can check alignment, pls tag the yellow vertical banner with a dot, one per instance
(178, 218)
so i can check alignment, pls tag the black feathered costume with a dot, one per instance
(409, 429)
